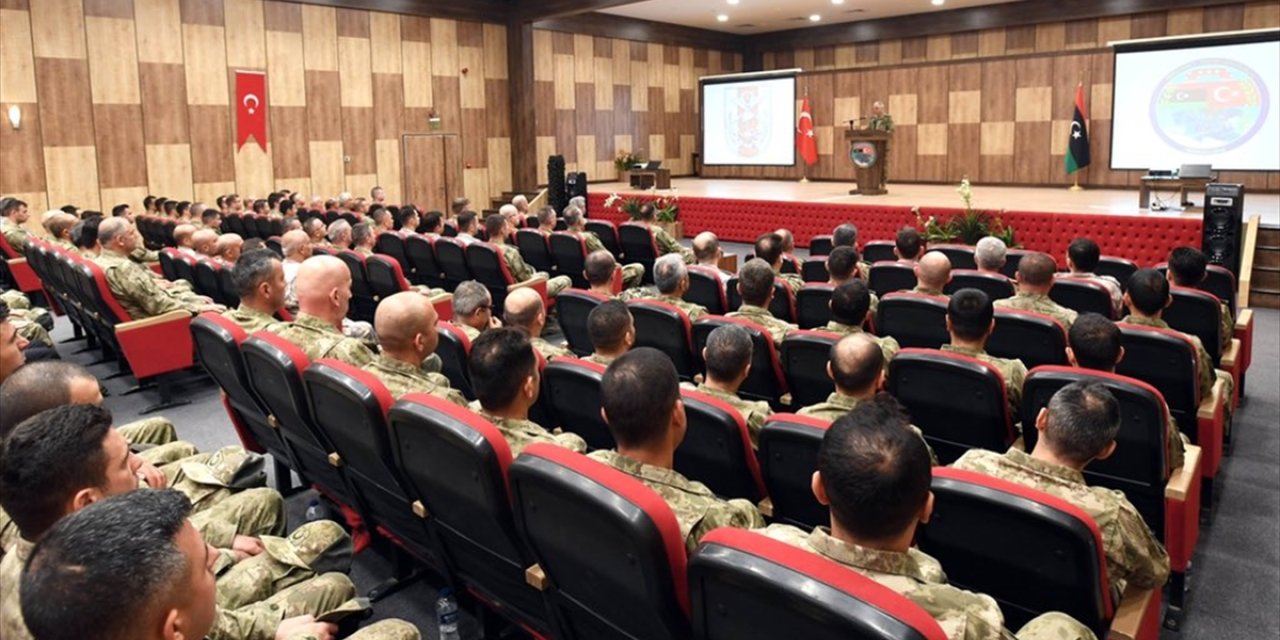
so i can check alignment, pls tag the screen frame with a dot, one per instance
(1175, 43)
(792, 74)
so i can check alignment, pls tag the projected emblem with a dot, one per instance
(747, 121)
(1209, 106)
(863, 154)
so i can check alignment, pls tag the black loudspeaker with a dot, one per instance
(576, 185)
(1223, 214)
(556, 196)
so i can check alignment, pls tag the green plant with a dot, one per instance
(968, 226)
(624, 160)
(667, 208)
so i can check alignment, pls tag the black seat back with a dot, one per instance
(533, 248)
(639, 246)
(1198, 313)
(820, 245)
(706, 289)
(804, 359)
(814, 270)
(667, 329)
(888, 276)
(995, 285)
(385, 277)
(608, 234)
(489, 267)
(1118, 268)
(1166, 360)
(1033, 338)
(781, 306)
(452, 257)
(569, 253)
(716, 449)
(573, 305)
(813, 305)
(788, 454)
(363, 303)
(453, 349)
(961, 256)
(206, 284)
(878, 251)
(1082, 295)
(391, 244)
(972, 413)
(766, 380)
(571, 390)
(914, 320)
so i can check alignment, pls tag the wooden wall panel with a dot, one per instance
(71, 176)
(204, 51)
(246, 39)
(113, 62)
(17, 65)
(21, 154)
(57, 28)
(211, 131)
(65, 111)
(159, 31)
(121, 157)
(164, 103)
(169, 170)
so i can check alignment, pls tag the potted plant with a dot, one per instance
(623, 162)
(968, 226)
(667, 212)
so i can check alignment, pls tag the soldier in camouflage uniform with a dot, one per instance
(647, 215)
(406, 324)
(499, 230)
(523, 310)
(1083, 256)
(258, 276)
(13, 213)
(473, 309)
(728, 356)
(506, 381)
(640, 398)
(32, 323)
(671, 276)
(599, 270)
(851, 301)
(324, 295)
(632, 274)
(755, 285)
(1035, 278)
(933, 272)
(873, 525)
(132, 284)
(612, 331)
(1078, 427)
(1189, 267)
(970, 321)
(769, 247)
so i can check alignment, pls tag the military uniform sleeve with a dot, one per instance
(1136, 554)
(1227, 326)
(515, 263)
(1204, 365)
(142, 292)
(254, 622)
(1017, 374)
(1177, 450)
(592, 242)
(736, 513)
(570, 441)
(142, 255)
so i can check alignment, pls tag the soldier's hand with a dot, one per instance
(246, 547)
(148, 472)
(494, 322)
(305, 627)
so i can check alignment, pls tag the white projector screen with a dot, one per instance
(1197, 102)
(751, 121)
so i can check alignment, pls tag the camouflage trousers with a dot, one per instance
(391, 629)
(1228, 392)
(632, 275)
(1054, 626)
(252, 512)
(149, 431)
(556, 284)
(258, 621)
(314, 548)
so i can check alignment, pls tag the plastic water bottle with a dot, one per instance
(447, 615)
(313, 510)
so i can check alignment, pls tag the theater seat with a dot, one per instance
(639, 246)
(995, 285)
(814, 270)
(569, 254)
(961, 256)
(743, 584)
(424, 268)
(610, 547)
(707, 289)
(1083, 295)
(813, 305)
(820, 245)
(666, 328)
(452, 256)
(782, 306)
(913, 319)
(716, 449)
(390, 243)
(1199, 313)
(533, 248)
(766, 380)
(574, 305)
(1116, 267)
(804, 357)
(206, 275)
(888, 276)
(788, 454)
(608, 234)
(1033, 338)
(957, 401)
(879, 251)
(363, 304)
(489, 266)
(571, 394)
(15, 269)
(453, 349)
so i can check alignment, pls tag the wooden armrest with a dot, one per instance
(1127, 624)
(1244, 319)
(535, 577)
(537, 277)
(419, 509)
(785, 399)
(14, 261)
(1180, 480)
(440, 297)
(1209, 405)
(1228, 359)
(170, 316)
(766, 507)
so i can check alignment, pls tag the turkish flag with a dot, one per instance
(806, 143)
(251, 108)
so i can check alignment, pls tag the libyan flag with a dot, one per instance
(1078, 144)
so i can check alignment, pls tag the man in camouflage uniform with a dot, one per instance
(728, 356)
(406, 324)
(363, 239)
(499, 229)
(32, 323)
(599, 269)
(970, 321)
(547, 221)
(1035, 278)
(1189, 267)
(671, 276)
(640, 399)
(1083, 256)
(933, 272)
(13, 213)
(324, 295)
(505, 378)
(707, 251)
(990, 255)
(846, 235)
(1078, 427)
(666, 244)
(755, 285)
(612, 331)
(523, 310)
(768, 247)
(473, 309)
(60, 226)
(850, 303)
(258, 277)
(873, 525)
(133, 285)
(141, 254)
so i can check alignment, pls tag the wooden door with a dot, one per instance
(432, 169)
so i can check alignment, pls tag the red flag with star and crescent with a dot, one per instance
(251, 108)
(806, 143)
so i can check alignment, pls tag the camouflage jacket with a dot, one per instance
(137, 291)
(16, 235)
(319, 339)
(838, 404)
(12, 626)
(888, 345)
(522, 433)
(601, 360)
(754, 412)
(249, 319)
(549, 350)
(778, 329)
(401, 378)
(1039, 303)
(1204, 364)
(515, 263)
(667, 244)
(691, 309)
(921, 289)
(1013, 372)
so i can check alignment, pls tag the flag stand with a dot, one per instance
(1075, 185)
(804, 177)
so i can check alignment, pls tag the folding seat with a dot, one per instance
(489, 267)
(166, 233)
(227, 289)
(263, 226)
(322, 250)
(1012, 258)
(392, 244)
(961, 256)
(879, 251)
(233, 223)
(1118, 268)
(351, 218)
(666, 328)
(790, 264)
(1169, 500)
(707, 289)
(766, 380)
(385, 277)
(363, 303)
(217, 343)
(1032, 552)
(788, 453)
(804, 356)
(454, 464)
(610, 548)
(206, 284)
(995, 285)
(820, 245)
(1083, 295)
(569, 253)
(529, 222)
(638, 245)
(275, 227)
(571, 394)
(533, 248)
(169, 258)
(814, 270)
(913, 319)
(888, 276)
(306, 214)
(1033, 338)
(185, 266)
(743, 584)
(329, 217)
(1199, 313)
(453, 349)
(450, 229)
(957, 401)
(716, 449)
(608, 234)
(573, 305)
(273, 243)
(782, 306)
(424, 268)
(813, 305)
(1222, 283)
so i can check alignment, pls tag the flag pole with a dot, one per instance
(1075, 184)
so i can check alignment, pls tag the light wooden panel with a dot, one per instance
(296, 185)
(320, 38)
(384, 52)
(159, 30)
(17, 68)
(71, 174)
(416, 59)
(169, 170)
(326, 167)
(204, 48)
(444, 47)
(353, 71)
(246, 44)
(286, 79)
(131, 196)
(57, 29)
(208, 192)
(113, 66)
(253, 170)
(389, 169)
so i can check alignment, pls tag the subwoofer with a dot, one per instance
(1223, 212)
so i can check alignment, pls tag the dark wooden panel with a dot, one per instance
(874, 86)
(19, 5)
(323, 106)
(584, 104)
(388, 105)
(611, 26)
(111, 9)
(213, 143)
(867, 52)
(470, 34)
(846, 84)
(562, 42)
(998, 91)
(544, 100)
(282, 16)
(65, 102)
(964, 77)
(415, 29)
(164, 103)
(1068, 72)
(824, 57)
(639, 51)
(1149, 25)
(964, 144)
(290, 151)
(1082, 32)
(670, 54)
(424, 171)
(622, 114)
(122, 159)
(353, 23)
(448, 100)
(604, 129)
(1031, 142)
(475, 138)
(357, 140)
(21, 154)
(208, 12)
(523, 113)
(1021, 38)
(555, 8)
(482, 10)
(997, 169)
(784, 59)
(933, 100)
(964, 44)
(1225, 18)
(902, 155)
(915, 48)
(416, 119)
(1034, 72)
(700, 57)
(566, 124)
(496, 94)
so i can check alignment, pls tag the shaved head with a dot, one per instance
(228, 246)
(293, 242)
(324, 288)
(181, 234)
(205, 241)
(934, 270)
(522, 309)
(856, 362)
(404, 316)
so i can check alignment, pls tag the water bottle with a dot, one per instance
(447, 615)
(313, 510)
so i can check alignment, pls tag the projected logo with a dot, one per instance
(1209, 106)
(747, 121)
(863, 154)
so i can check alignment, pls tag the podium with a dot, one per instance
(868, 151)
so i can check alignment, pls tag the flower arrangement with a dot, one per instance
(666, 207)
(969, 226)
(625, 160)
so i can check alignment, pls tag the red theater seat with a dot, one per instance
(666, 328)
(716, 449)
(489, 265)
(766, 380)
(788, 453)
(571, 394)
(574, 305)
(972, 413)
(804, 355)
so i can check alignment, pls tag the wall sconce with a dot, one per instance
(15, 116)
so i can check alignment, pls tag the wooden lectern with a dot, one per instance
(868, 149)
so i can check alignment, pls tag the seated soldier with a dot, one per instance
(768, 247)
(183, 238)
(707, 252)
(842, 265)
(850, 304)
(132, 284)
(316, 231)
(1035, 278)
(1095, 343)
(970, 321)
(728, 357)
(228, 248)
(433, 224)
(546, 221)
(671, 276)
(211, 219)
(324, 295)
(363, 238)
(908, 245)
(296, 248)
(933, 272)
(499, 229)
(755, 285)
(599, 268)
(468, 224)
(632, 274)
(1188, 267)
(11, 344)
(523, 309)
(1083, 256)
(990, 255)
(666, 244)
(875, 480)
(60, 234)
(1078, 427)
(640, 401)
(788, 247)
(204, 242)
(382, 219)
(505, 378)
(67, 458)
(13, 214)
(406, 326)
(33, 323)
(338, 236)
(259, 280)
(473, 309)
(612, 331)
(1147, 296)
(846, 235)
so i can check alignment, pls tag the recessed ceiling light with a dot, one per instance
(732, 1)
(837, 1)
(814, 18)
(722, 18)
(938, 3)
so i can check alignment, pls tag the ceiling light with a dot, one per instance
(837, 1)
(722, 18)
(814, 18)
(938, 3)
(732, 1)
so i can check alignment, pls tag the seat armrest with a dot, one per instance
(156, 345)
(1138, 616)
(766, 507)
(1211, 406)
(1230, 356)
(1244, 320)
(1244, 332)
(538, 278)
(443, 303)
(535, 577)
(168, 316)
(1182, 511)
(1182, 479)
(1210, 418)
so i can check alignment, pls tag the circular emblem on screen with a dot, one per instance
(863, 154)
(1209, 106)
